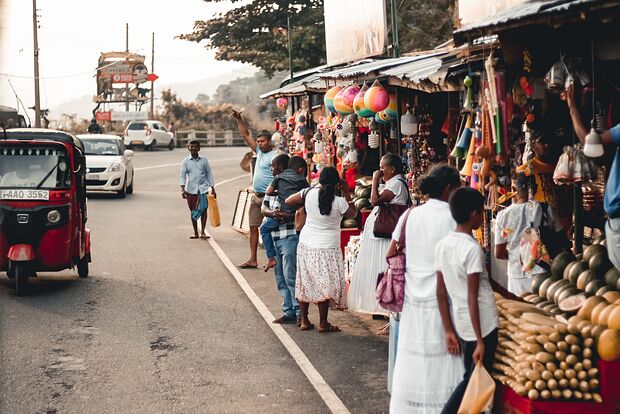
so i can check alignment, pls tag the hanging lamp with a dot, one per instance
(593, 147)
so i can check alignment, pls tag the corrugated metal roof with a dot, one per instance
(365, 68)
(310, 83)
(527, 13)
(417, 70)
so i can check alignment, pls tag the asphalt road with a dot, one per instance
(161, 326)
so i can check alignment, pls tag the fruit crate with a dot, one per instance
(507, 401)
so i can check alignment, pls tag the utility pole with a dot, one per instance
(127, 50)
(153, 82)
(395, 41)
(290, 46)
(37, 98)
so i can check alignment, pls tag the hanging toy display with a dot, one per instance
(383, 118)
(348, 96)
(417, 155)
(392, 108)
(328, 100)
(282, 104)
(409, 123)
(359, 106)
(341, 106)
(469, 100)
(376, 98)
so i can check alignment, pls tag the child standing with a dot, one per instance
(462, 275)
(289, 178)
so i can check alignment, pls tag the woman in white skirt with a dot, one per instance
(320, 265)
(425, 373)
(371, 258)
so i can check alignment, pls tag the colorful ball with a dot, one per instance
(359, 106)
(341, 106)
(392, 109)
(328, 100)
(376, 98)
(282, 103)
(349, 94)
(383, 118)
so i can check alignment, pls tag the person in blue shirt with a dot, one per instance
(263, 147)
(609, 138)
(196, 179)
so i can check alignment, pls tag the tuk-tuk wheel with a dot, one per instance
(21, 279)
(82, 267)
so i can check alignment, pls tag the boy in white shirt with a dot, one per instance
(462, 276)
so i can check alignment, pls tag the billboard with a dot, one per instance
(473, 11)
(354, 29)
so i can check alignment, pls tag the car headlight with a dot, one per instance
(116, 166)
(53, 216)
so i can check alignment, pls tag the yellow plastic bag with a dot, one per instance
(478, 396)
(214, 211)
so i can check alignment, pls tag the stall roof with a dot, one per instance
(365, 68)
(308, 84)
(530, 12)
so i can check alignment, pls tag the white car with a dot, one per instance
(109, 166)
(148, 134)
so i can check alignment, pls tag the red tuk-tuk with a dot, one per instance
(42, 204)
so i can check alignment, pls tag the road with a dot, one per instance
(162, 326)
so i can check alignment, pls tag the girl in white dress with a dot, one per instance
(425, 374)
(371, 258)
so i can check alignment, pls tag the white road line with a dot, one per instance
(328, 395)
(232, 179)
(178, 164)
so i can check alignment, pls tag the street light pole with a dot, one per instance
(290, 46)
(153, 71)
(126, 50)
(37, 98)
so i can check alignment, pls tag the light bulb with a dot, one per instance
(593, 147)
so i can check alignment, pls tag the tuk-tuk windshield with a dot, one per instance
(34, 167)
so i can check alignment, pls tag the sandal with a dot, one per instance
(194, 237)
(247, 266)
(384, 331)
(330, 328)
(306, 327)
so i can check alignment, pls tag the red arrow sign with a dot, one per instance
(151, 77)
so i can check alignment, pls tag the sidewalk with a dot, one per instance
(353, 362)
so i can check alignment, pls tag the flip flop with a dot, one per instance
(247, 266)
(194, 237)
(331, 328)
(306, 328)
(205, 237)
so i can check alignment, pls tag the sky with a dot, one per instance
(73, 33)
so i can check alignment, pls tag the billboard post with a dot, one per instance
(354, 30)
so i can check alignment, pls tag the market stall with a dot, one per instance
(559, 347)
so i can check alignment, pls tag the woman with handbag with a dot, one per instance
(320, 265)
(425, 373)
(393, 195)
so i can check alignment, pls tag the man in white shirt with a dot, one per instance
(195, 180)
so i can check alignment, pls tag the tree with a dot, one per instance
(423, 24)
(257, 33)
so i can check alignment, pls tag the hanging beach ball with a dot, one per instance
(359, 106)
(349, 94)
(376, 98)
(328, 100)
(392, 109)
(383, 118)
(340, 105)
(282, 103)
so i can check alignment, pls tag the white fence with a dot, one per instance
(210, 138)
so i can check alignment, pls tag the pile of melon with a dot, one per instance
(586, 291)
(361, 200)
(543, 357)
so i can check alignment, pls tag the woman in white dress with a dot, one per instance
(425, 374)
(371, 258)
(320, 265)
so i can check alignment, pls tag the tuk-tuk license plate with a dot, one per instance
(137, 142)
(24, 195)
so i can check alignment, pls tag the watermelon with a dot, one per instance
(572, 303)
(612, 276)
(542, 291)
(537, 281)
(592, 250)
(577, 269)
(362, 203)
(560, 262)
(349, 224)
(365, 192)
(594, 285)
(583, 280)
(599, 264)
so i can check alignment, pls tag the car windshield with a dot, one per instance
(137, 126)
(34, 167)
(101, 147)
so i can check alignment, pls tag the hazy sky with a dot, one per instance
(73, 33)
